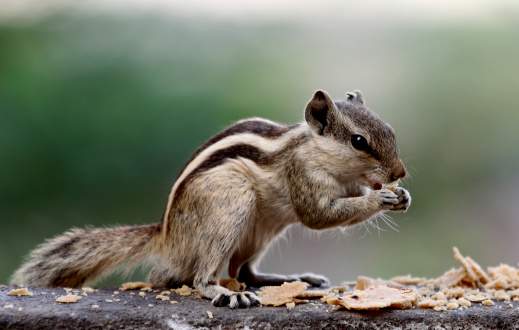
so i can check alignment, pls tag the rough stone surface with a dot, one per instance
(133, 312)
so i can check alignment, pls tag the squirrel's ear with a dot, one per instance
(355, 97)
(319, 111)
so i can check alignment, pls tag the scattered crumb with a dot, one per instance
(232, 284)
(280, 295)
(291, 305)
(142, 294)
(84, 294)
(87, 290)
(209, 314)
(150, 305)
(165, 293)
(149, 289)
(313, 294)
(20, 309)
(162, 297)
(117, 300)
(174, 302)
(135, 285)
(487, 302)
(375, 297)
(20, 292)
(132, 293)
(68, 299)
(43, 293)
(109, 300)
(95, 306)
(183, 291)
(408, 280)
(116, 292)
(8, 306)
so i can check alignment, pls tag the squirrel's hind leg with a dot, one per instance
(248, 275)
(226, 220)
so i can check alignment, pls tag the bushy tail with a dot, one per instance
(81, 255)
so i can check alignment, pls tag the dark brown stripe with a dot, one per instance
(261, 158)
(261, 128)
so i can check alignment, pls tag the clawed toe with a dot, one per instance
(236, 300)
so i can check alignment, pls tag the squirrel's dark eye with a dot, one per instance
(360, 143)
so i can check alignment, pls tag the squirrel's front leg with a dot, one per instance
(318, 206)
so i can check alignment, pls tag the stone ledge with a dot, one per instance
(133, 312)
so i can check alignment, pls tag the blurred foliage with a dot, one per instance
(99, 113)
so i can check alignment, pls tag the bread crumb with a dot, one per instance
(452, 305)
(291, 305)
(233, 284)
(20, 292)
(183, 291)
(209, 314)
(142, 294)
(87, 290)
(109, 300)
(375, 297)
(116, 292)
(135, 285)
(117, 300)
(68, 299)
(8, 306)
(43, 293)
(162, 297)
(95, 306)
(173, 302)
(280, 295)
(165, 293)
(487, 302)
(20, 309)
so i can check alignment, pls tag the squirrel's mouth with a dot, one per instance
(374, 185)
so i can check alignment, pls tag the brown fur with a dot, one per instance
(238, 192)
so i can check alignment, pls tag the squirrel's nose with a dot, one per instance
(399, 174)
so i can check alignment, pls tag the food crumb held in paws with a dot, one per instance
(391, 186)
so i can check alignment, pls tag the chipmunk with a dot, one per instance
(238, 192)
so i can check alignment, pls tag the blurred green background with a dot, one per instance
(100, 108)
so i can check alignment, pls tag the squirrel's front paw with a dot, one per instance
(386, 199)
(404, 200)
(236, 300)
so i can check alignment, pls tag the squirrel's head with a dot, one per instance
(355, 142)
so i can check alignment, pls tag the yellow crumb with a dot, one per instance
(68, 299)
(20, 292)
